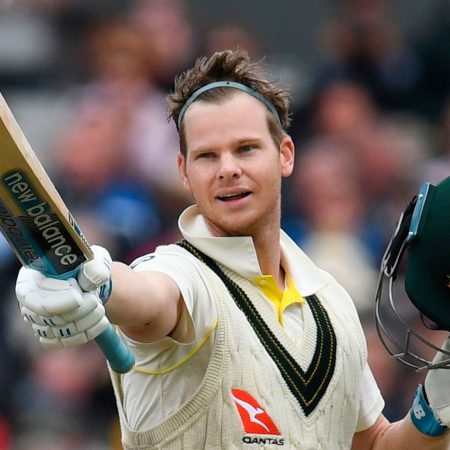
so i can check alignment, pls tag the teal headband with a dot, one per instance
(230, 84)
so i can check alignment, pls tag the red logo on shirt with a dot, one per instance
(254, 418)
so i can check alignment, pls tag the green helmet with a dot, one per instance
(422, 235)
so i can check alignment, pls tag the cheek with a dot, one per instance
(195, 182)
(271, 173)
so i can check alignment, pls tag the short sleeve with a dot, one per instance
(200, 314)
(371, 404)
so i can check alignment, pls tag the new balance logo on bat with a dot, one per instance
(45, 228)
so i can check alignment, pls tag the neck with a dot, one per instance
(269, 255)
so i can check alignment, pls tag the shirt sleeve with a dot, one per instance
(371, 404)
(199, 315)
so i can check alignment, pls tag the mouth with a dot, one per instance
(233, 197)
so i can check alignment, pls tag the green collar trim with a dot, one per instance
(308, 387)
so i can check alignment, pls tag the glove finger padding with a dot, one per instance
(87, 322)
(33, 318)
(68, 342)
(46, 296)
(97, 329)
(89, 302)
(61, 315)
(437, 386)
(91, 319)
(47, 331)
(97, 272)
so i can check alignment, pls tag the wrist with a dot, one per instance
(423, 417)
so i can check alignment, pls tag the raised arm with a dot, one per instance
(146, 305)
(66, 313)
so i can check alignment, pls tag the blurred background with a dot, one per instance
(87, 81)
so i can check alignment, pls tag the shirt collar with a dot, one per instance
(238, 253)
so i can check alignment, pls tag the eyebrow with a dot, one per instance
(236, 143)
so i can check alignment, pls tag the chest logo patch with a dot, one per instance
(254, 418)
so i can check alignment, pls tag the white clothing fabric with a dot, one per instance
(147, 400)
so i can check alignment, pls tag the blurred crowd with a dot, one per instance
(88, 80)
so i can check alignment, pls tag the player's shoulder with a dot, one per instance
(171, 254)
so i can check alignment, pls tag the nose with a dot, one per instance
(229, 167)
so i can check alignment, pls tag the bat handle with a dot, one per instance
(119, 356)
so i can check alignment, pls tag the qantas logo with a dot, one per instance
(254, 418)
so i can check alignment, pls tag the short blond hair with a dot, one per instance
(229, 65)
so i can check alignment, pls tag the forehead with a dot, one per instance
(237, 116)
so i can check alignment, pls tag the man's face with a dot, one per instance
(232, 167)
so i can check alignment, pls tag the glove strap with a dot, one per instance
(422, 415)
(105, 291)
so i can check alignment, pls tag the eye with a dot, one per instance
(246, 148)
(205, 155)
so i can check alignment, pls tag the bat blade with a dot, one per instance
(33, 216)
(38, 225)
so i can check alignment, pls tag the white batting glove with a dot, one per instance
(437, 387)
(96, 274)
(59, 312)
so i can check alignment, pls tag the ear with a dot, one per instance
(287, 156)
(181, 162)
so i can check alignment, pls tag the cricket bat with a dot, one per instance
(38, 225)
